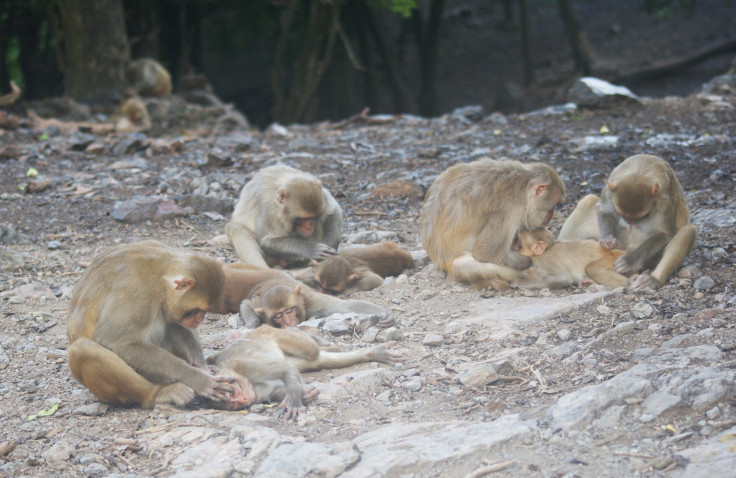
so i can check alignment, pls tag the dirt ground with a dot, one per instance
(68, 223)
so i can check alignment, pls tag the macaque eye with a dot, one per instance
(288, 311)
(278, 316)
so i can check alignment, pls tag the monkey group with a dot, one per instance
(133, 314)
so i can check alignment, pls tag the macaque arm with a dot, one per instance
(672, 256)
(248, 314)
(369, 281)
(182, 342)
(292, 248)
(608, 223)
(642, 255)
(291, 342)
(482, 275)
(332, 228)
(245, 244)
(329, 360)
(583, 221)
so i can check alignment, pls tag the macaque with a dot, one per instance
(361, 268)
(284, 217)
(148, 77)
(275, 298)
(131, 326)
(563, 263)
(642, 210)
(269, 361)
(131, 116)
(473, 212)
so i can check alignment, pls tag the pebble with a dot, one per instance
(704, 283)
(433, 340)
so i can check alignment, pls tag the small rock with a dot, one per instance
(642, 310)
(53, 245)
(95, 469)
(589, 91)
(713, 413)
(478, 377)
(59, 453)
(389, 334)
(413, 385)
(704, 283)
(93, 409)
(564, 335)
(144, 208)
(10, 260)
(433, 340)
(384, 396)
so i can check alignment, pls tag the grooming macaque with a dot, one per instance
(271, 360)
(284, 217)
(131, 326)
(131, 116)
(361, 268)
(563, 263)
(642, 210)
(148, 77)
(275, 298)
(473, 212)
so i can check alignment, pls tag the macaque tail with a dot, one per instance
(481, 275)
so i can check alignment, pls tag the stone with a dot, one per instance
(704, 283)
(594, 92)
(478, 377)
(145, 208)
(433, 340)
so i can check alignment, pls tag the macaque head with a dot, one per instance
(282, 306)
(545, 191)
(334, 274)
(303, 203)
(534, 243)
(242, 396)
(194, 291)
(633, 197)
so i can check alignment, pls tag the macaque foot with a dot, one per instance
(291, 412)
(383, 353)
(585, 283)
(177, 394)
(310, 394)
(644, 281)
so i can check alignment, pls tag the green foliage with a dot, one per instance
(403, 8)
(12, 62)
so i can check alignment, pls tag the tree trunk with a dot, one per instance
(428, 44)
(582, 52)
(95, 46)
(526, 44)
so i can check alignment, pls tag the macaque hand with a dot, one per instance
(644, 281)
(383, 353)
(610, 242)
(622, 266)
(322, 251)
(216, 387)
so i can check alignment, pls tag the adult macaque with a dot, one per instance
(284, 217)
(563, 263)
(361, 268)
(275, 298)
(473, 212)
(131, 116)
(271, 360)
(148, 77)
(642, 210)
(131, 322)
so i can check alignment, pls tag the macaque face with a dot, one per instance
(242, 396)
(542, 203)
(304, 226)
(288, 317)
(633, 213)
(193, 318)
(334, 274)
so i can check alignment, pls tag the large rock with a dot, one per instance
(594, 92)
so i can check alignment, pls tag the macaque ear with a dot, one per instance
(539, 189)
(183, 283)
(298, 290)
(282, 195)
(352, 278)
(260, 312)
(314, 263)
(611, 185)
(539, 248)
(655, 189)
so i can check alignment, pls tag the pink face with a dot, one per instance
(304, 226)
(287, 317)
(193, 318)
(242, 395)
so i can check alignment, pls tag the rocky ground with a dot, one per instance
(575, 382)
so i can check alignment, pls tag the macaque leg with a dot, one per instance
(245, 244)
(482, 275)
(583, 222)
(601, 271)
(672, 256)
(330, 360)
(113, 381)
(293, 343)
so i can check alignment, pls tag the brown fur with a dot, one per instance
(564, 263)
(129, 344)
(361, 268)
(148, 77)
(642, 209)
(272, 359)
(132, 115)
(473, 212)
(263, 228)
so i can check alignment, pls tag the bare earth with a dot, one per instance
(518, 331)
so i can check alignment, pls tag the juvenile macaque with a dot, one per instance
(564, 263)
(131, 116)
(473, 212)
(361, 268)
(284, 217)
(642, 210)
(271, 360)
(148, 77)
(275, 298)
(131, 326)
